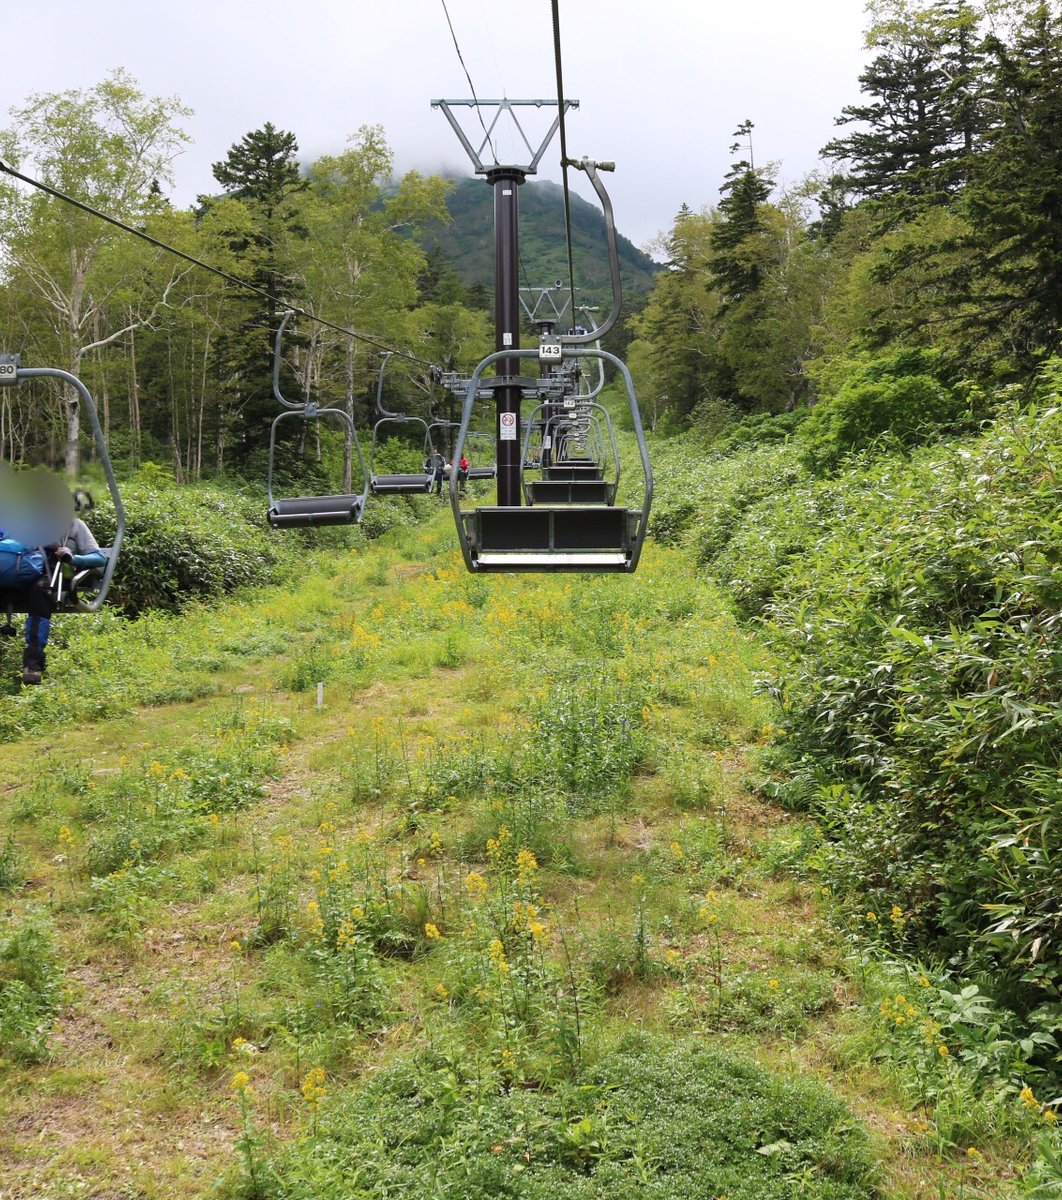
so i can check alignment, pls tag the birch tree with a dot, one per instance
(111, 147)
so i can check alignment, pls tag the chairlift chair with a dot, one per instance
(570, 536)
(74, 591)
(575, 475)
(302, 512)
(480, 449)
(401, 483)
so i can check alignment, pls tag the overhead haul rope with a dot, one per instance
(368, 338)
(472, 86)
(564, 152)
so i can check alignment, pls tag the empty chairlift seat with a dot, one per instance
(296, 512)
(552, 538)
(570, 470)
(402, 483)
(410, 484)
(306, 511)
(571, 491)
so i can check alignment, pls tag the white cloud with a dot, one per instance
(661, 86)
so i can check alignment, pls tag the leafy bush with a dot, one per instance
(920, 670)
(760, 429)
(708, 493)
(654, 1118)
(895, 401)
(185, 542)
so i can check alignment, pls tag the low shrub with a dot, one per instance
(652, 1118)
(184, 542)
(893, 401)
(919, 670)
(30, 988)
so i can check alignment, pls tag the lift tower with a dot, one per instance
(506, 179)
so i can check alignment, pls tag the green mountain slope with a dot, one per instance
(467, 241)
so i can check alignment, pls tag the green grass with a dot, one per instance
(501, 890)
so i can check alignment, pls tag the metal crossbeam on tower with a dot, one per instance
(502, 106)
(506, 178)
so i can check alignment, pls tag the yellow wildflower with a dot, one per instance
(526, 864)
(497, 957)
(431, 932)
(773, 984)
(475, 884)
(313, 1088)
(241, 1084)
(442, 991)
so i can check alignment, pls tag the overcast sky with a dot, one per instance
(662, 85)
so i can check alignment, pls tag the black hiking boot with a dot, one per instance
(32, 665)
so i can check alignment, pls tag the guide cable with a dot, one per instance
(555, 4)
(461, 59)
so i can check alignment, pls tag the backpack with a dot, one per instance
(19, 566)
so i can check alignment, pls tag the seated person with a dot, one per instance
(78, 548)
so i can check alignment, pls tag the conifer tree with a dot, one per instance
(1014, 201)
(922, 114)
(737, 272)
(262, 172)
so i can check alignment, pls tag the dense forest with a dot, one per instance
(737, 878)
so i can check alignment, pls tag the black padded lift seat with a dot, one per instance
(571, 491)
(401, 485)
(573, 471)
(308, 511)
(552, 539)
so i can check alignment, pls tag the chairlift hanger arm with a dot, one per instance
(288, 404)
(591, 170)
